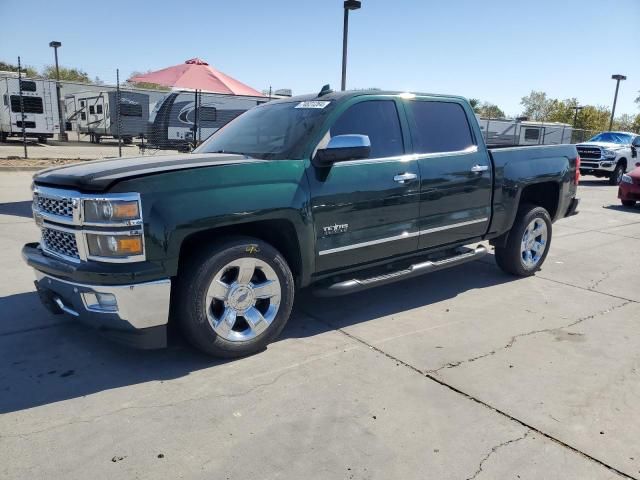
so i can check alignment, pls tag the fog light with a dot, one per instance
(101, 302)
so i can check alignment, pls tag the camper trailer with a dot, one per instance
(511, 132)
(96, 114)
(173, 120)
(41, 118)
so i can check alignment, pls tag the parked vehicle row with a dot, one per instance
(338, 192)
(609, 155)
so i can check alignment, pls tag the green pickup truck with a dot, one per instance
(337, 192)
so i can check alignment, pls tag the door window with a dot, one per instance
(439, 127)
(378, 119)
(99, 109)
(92, 110)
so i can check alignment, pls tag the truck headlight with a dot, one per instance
(111, 211)
(626, 179)
(608, 153)
(115, 245)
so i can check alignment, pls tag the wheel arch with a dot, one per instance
(281, 234)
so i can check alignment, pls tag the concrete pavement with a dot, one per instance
(465, 373)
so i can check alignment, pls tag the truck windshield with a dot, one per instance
(270, 131)
(612, 137)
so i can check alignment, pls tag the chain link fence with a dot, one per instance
(102, 120)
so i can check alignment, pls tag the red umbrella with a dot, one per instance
(196, 74)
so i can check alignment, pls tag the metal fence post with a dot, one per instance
(118, 124)
(24, 133)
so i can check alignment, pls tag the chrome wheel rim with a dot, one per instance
(243, 299)
(534, 243)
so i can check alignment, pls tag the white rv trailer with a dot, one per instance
(41, 119)
(172, 120)
(96, 114)
(506, 132)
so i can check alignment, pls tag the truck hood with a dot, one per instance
(608, 145)
(99, 175)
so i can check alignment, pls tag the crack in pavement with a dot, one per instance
(468, 396)
(514, 338)
(586, 289)
(493, 450)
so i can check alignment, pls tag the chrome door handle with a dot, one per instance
(404, 177)
(479, 168)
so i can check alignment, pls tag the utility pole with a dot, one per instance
(63, 131)
(577, 108)
(24, 133)
(119, 122)
(617, 78)
(348, 5)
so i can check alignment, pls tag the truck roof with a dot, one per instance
(356, 93)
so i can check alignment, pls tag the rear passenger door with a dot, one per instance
(366, 210)
(456, 174)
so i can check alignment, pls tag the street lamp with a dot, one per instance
(577, 108)
(348, 5)
(617, 78)
(63, 134)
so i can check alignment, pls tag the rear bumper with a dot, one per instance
(134, 314)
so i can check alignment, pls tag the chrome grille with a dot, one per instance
(589, 152)
(62, 243)
(62, 207)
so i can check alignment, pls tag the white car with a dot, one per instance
(609, 154)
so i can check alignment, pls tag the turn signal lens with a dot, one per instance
(114, 246)
(577, 169)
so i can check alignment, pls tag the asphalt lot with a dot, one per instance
(461, 374)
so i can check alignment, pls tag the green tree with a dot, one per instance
(26, 70)
(475, 104)
(537, 106)
(68, 74)
(624, 122)
(636, 124)
(490, 110)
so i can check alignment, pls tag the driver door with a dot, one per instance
(366, 210)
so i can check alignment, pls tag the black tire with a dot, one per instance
(628, 203)
(616, 176)
(509, 258)
(194, 279)
(3, 137)
(42, 139)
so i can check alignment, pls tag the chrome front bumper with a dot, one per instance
(135, 314)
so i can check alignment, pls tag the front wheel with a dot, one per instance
(628, 203)
(528, 242)
(616, 176)
(234, 298)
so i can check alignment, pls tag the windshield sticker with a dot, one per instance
(313, 104)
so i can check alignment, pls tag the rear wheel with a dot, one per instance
(235, 298)
(616, 176)
(42, 139)
(628, 203)
(528, 242)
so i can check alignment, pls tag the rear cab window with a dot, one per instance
(439, 126)
(378, 119)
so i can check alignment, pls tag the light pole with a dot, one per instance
(63, 133)
(617, 78)
(348, 5)
(577, 108)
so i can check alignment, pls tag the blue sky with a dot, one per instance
(494, 50)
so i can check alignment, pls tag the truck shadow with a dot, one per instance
(17, 209)
(47, 358)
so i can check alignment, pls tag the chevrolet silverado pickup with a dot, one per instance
(609, 155)
(338, 192)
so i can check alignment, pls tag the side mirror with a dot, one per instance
(342, 148)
